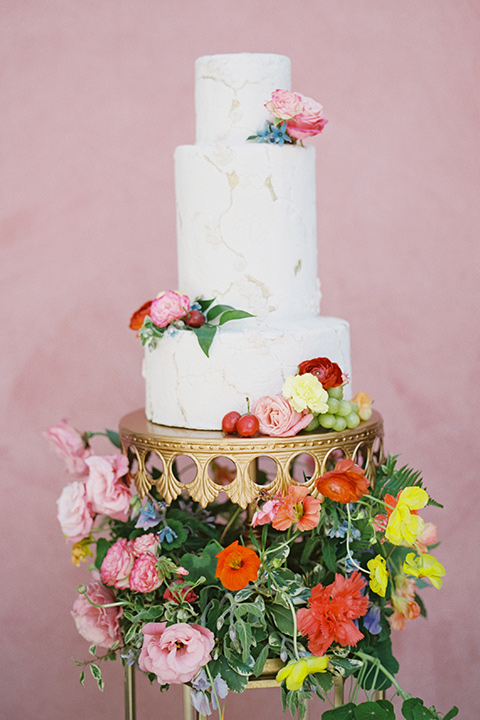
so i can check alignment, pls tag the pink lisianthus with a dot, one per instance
(169, 306)
(144, 576)
(145, 544)
(266, 514)
(178, 591)
(297, 507)
(74, 512)
(308, 122)
(117, 564)
(107, 493)
(285, 104)
(70, 446)
(176, 653)
(277, 417)
(98, 625)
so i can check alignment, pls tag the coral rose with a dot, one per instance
(144, 576)
(138, 317)
(308, 122)
(277, 417)
(167, 307)
(326, 371)
(117, 564)
(74, 512)
(237, 566)
(106, 492)
(176, 653)
(345, 483)
(68, 444)
(98, 625)
(285, 104)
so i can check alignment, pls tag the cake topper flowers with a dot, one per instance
(171, 311)
(296, 117)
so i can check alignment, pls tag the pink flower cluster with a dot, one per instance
(277, 417)
(304, 116)
(69, 444)
(104, 492)
(132, 564)
(98, 625)
(176, 653)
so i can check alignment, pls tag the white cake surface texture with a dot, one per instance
(246, 236)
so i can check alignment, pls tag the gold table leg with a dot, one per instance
(129, 684)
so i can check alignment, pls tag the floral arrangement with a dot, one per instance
(171, 311)
(295, 117)
(312, 399)
(206, 596)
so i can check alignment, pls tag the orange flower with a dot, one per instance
(297, 507)
(345, 483)
(136, 321)
(237, 566)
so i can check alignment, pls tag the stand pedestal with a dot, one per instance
(141, 438)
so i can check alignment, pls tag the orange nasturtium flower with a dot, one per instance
(237, 566)
(136, 321)
(345, 483)
(297, 507)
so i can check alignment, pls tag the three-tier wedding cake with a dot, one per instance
(246, 234)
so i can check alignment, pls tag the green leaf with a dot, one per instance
(97, 674)
(92, 649)
(329, 546)
(205, 335)
(236, 682)
(260, 661)
(282, 618)
(102, 548)
(240, 667)
(180, 532)
(82, 678)
(244, 636)
(233, 315)
(114, 437)
(388, 707)
(409, 705)
(204, 304)
(344, 712)
(451, 713)
(382, 650)
(370, 711)
(324, 680)
(217, 310)
(204, 564)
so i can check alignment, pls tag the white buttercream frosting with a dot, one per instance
(246, 226)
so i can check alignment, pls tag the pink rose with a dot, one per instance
(70, 446)
(145, 544)
(285, 104)
(266, 514)
(277, 417)
(74, 512)
(169, 306)
(117, 564)
(98, 625)
(175, 654)
(107, 493)
(144, 576)
(310, 121)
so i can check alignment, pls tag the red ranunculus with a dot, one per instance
(345, 483)
(136, 321)
(326, 371)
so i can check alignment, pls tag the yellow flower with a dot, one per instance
(297, 670)
(403, 526)
(378, 575)
(364, 403)
(81, 550)
(424, 566)
(305, 391)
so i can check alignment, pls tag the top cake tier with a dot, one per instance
(230, 93)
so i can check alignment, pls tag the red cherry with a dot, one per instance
(248, 425)
(194, 319)
(229, 422)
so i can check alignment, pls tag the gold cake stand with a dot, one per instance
(144, 442)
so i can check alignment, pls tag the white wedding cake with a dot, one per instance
(246, 233)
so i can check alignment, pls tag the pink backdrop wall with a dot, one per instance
(95, 95)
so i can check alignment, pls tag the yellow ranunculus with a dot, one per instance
(297, 670)
(305, 391)
(378, 575)
(424, 566)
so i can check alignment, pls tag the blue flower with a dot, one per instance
(149, 516)
(202, 691)
(372, 620)
(273, 134)
(167, 534)
(342, 530)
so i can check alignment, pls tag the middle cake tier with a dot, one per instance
(248, 358)
(246, 227)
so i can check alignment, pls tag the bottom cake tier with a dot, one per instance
(187, 389)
